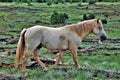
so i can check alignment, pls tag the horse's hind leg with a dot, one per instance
(25, 58)
(36, 57)
(58, 59)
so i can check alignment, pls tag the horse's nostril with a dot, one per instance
(103, 37)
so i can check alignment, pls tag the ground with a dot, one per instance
(14, 17)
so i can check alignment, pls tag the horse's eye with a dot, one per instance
(100, 28)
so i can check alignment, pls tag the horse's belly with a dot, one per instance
(55, 45)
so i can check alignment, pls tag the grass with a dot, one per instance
(22, 16)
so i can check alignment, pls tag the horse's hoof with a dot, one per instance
(77, 66)
(45, 69)
(25, 75)
(52, 68)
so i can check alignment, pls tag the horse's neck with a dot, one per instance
(84, 34)
(80, 30)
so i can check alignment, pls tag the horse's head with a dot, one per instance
(99, 30)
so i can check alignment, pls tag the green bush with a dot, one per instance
(100, 0)
(79, 4)
(63, 1)
(49, 3)
(87, 17)
(104, 21)
(92, 2)
(56, 2)
(41, 1)
(84, 1)
(58, 18)
(91, 16)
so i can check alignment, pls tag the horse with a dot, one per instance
(68, 37)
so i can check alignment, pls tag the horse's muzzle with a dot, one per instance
(103, 37)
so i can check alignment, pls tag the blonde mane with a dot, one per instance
(83, 28)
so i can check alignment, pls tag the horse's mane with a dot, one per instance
(82, 27)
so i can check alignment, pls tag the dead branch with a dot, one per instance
(12, 41)
(52, 61)
(110, 48)
(10, 77)
(115, 40)
(5, 31)
(10, 30)
(88, 49)
(108, 73)
(9, 65)
(33, 63)
(6, 34)
(113, 73)
(2, 49)
(105, 54)
(9, 40)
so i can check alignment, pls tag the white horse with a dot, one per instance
(64, 38)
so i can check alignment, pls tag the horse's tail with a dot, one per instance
(20, 48)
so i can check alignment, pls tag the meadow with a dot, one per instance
(106, 56)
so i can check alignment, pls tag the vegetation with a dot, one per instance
(92, 2)
(18, 16)
(58, 18)
(90, 16)
(104, 21)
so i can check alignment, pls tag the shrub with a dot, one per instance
(63, 1)
(11, 25)
(87, 7)
(85, 17)
(56, 2)
(91, 16)
(100, 0)
(75, 0)
(84, 1)
(49, 3)
(104, 21)
(40, 1)
(106, 15)
(58, 18)
(92, 2)
(79, 4)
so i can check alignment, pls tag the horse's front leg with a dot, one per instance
(74, 55)
(59, 57)
(36, 57)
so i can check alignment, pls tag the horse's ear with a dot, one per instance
(98, 20)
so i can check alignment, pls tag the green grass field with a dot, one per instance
(17, 17)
